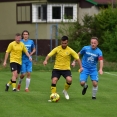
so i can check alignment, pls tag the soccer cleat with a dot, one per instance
(26, 90)
(93, 98)
(7, 87)
(66, 94)
(18, 87)
(49, 100)
(14, 90)
(84, 90)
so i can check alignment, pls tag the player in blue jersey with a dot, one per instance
(90, 56)
(26, 67)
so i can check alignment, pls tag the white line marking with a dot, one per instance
(110, 73)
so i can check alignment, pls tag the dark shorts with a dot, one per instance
(15, 66)
(57, 73)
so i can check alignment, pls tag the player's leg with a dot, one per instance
(94, 89)
(27, 82)
(67, 75)
(83, 80)
(18, 71)
(94, 78)
(29, 70)
(14, 77)
(14, 69)
(55, 77)
(23, 72)
(8, 84)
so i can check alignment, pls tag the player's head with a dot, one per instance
(17, 37)
(25, 34)
(64, 42)
(94, 42)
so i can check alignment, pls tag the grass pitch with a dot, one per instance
(35, 103)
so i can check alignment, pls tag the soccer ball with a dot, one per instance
(54, 97)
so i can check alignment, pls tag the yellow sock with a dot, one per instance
(66, 87)
(9, 82)
(14, 85)
(53, 89)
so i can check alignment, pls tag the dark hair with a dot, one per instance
(94, 38)
(24, 31)
(64, 38)
(17, 34)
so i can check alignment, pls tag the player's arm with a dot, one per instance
(76, 57)
(100, 64)
(26, 52)
(49, 55)
(46, 60)
(5, 59)
(33, 51)
(7, 54)
(82, 51)
(74, 62)
(28, 55)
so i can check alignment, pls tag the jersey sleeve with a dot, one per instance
(100, 55)
(82, 51)
(32, 45)
(52, 52)
(74, 54)
(9, 48)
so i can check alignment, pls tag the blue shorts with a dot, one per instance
(93, 73)
(26, 67)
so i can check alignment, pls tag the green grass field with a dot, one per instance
(35, 103)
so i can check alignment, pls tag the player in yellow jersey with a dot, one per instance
(15, 50)
(63, 55)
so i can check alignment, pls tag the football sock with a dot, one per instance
(14, 84)
(67, 85)
(27, 82)
(9, 83)
(53, 88)
(85, 85)
(20, 81)
(94, 91)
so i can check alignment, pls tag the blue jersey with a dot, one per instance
(90, 57)
(29, 45)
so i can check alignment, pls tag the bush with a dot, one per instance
(102, 25)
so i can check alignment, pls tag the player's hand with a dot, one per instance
(73, 64)
(30, 58)
(100, 72)
(80, 70)
(4, 64)
(45, 63)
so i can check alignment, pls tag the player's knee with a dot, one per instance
(82, 83)
(54, 80)
(95, 83)
(22, 76)
(69, 79)
(28, 75)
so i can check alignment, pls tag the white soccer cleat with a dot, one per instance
(66, 94)
(49, 100)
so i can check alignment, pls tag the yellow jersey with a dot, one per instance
(63, 57)
(15, 50)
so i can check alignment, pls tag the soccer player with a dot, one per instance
(15, 50)
(91, 55)
(63, 55)
(26, 67)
